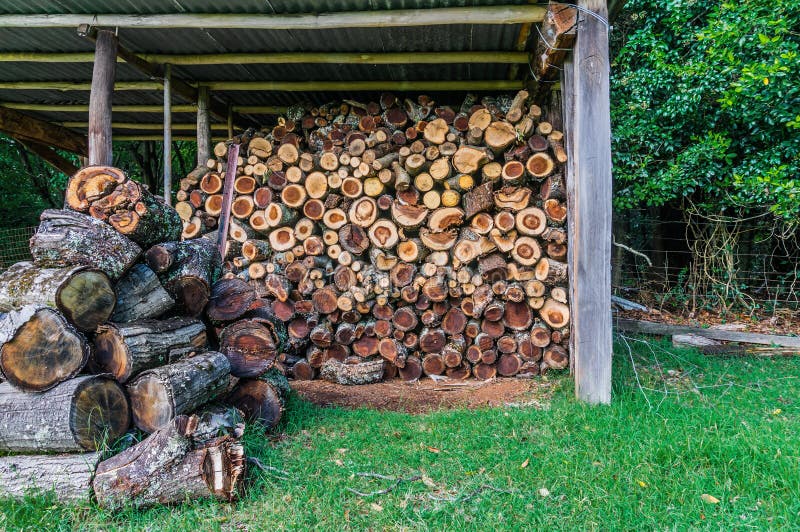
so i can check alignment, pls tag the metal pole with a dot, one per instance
(167, 135)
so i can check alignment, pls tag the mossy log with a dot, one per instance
(361, 372)
(39, 348)
(187, 270)
(67, 476)
(81, 414)
(69, 238)
(168, 468)
(140, 296)
(83, 295)
(149, 221)
(159, 395)
(126, 349)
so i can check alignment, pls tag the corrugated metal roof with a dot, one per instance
(438, 38)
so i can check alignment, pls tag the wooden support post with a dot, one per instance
(230, 122)
(586, 90)
(105, 64)
(227, 198)
(203, 127)
(168, 134)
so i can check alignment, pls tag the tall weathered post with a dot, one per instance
(203, 127)
(105, 65)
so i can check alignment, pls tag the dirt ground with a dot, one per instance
(427, 395)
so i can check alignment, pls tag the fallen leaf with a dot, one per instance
(710, 499)
(434, 450)
(524, 464)
(544, 492)
(338, 462)
(428, 481)
(377, 507)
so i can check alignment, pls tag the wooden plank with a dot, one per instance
(273, 58)
(153, 126)
(227, 198)
(82, 108)
(78, 85)
(28, 128)
(305, 21)
(203, 127)
(591, 209)
(666, 329)
(167, 149)
(51, 157)
(568, 115)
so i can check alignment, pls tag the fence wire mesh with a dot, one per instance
(14, 245)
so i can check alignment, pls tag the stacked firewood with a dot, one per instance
(98, 335)
(424, 236)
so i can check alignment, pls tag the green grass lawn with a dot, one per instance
(680, 426)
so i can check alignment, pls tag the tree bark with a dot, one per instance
(126, 349)
(140, 296)
(67, 476)
(67, 238)
(81, 414)
(83, 295)
(159, 395)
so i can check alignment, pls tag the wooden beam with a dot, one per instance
(80, 108)
(160, 137)
(273, 58)
(227, 198)
(146, 126)
(167, 149)
(28, 128)
(102, 88)
(203, 127)
(306, 21)
(666, 329)
(286, 86)
(51, 157)
(590, 207)
(365, 85)
(556, 37)
(83, 108)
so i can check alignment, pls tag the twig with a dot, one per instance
(631, 250)
(269, 469)
(397, 481)
(471, 495)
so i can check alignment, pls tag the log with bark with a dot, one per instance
(81, 414)
(159, 395)
(68, 238)
(140, 295)
(68, 477)
(126, 349)
(261, 399)
(169, 467)
(83, 295)
(39, 348)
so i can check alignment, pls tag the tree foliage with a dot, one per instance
(706, 105)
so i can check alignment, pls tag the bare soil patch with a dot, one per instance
(427, 395)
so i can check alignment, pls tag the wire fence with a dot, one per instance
(14, 245)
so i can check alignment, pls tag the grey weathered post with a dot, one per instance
(168, 134)
(105, 64)
(203, 127)
(588, 122)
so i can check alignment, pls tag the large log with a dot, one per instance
(126, 349)
(187, 270)
(261, 399)
(140, 295)
(353, 373)
(39, 348)
(229, 300)
(250, 346)
(149, 221)
(159, 395)
(68, 477)
(168, 467)
(83, 295)
(81, 414)
(69, 238)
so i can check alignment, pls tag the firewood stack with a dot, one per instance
(400, 237)
(101, 332)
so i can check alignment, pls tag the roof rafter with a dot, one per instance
(27, 128)
(305, 21)
(288, 86)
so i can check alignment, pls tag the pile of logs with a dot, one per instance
(398, 237)
(103, 332)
